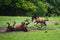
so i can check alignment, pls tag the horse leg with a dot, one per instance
(25, 29)
(41, 24)
(45, 23)
(8, 29)
(35, 23)
(12, 29)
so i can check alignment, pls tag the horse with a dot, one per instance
(22, 27)
(40, 20)
(18, 27)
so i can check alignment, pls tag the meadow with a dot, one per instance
(31, 35)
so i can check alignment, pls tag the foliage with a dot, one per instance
(30, 7)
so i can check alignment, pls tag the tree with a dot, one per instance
(29, 7)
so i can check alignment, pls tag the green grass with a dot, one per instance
(31, 35)
(18, 19)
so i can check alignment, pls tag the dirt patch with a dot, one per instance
(3, 29)
(51, 22)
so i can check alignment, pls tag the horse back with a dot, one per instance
(17, 26)
(40, 20)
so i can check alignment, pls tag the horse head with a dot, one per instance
(34, 17)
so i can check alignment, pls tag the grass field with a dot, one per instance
(32, 35)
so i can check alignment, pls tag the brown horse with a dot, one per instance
(21, 27)
(40, 20)
(18, 27)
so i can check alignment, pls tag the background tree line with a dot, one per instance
(30, 7)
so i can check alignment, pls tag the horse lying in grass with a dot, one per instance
(21, 27)
(18, 27)
(40, 20)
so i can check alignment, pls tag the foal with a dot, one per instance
(40, 20)
(21, 27)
